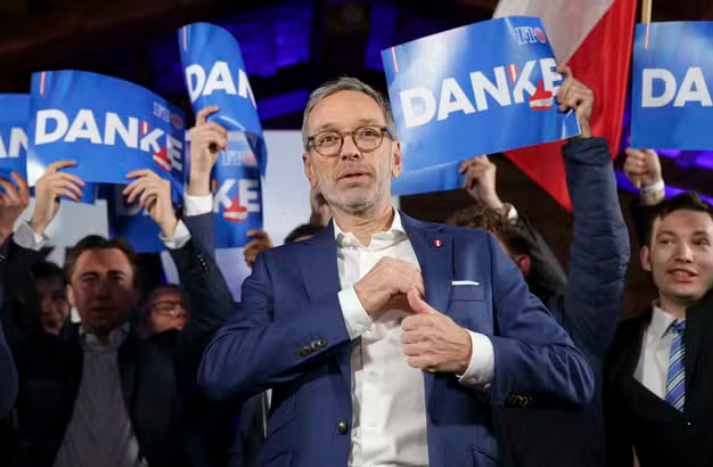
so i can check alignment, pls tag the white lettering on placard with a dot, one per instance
(420, 104)
(17, 143)
(693, 89)
(53, 125)
(219, 79)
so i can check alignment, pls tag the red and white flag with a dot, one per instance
(594, 38)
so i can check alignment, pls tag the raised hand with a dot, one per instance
(207, 140)
(480, 181)
(575, 95)
(12, 202)
(153, 194)
(49, 188)
(643, 168)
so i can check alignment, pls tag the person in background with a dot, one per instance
(641, 355)
(588, 302)
(163, 311)
(659, 373)
(97, 394)
(14, 198)
(379, 336)
(320, 217)
(51, 288)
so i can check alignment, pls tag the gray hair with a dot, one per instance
(345, 83)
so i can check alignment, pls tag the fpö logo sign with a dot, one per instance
(529, 35)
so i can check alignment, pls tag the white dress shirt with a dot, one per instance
(100, 432)
(652, 369)
(388, 396)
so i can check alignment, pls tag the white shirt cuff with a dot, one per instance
(480, 371)
(25, 237)
(179, 239)
(197, 205)
(512, 216)
(355, 316)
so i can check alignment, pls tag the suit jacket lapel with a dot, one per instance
(434, 250)
(320, 273)
(699, 326)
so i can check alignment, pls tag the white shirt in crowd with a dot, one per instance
(652, 369)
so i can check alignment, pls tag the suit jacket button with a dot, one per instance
(307, 349)
(314, 345)
(322, 342)
(342, 428)
(301, 353)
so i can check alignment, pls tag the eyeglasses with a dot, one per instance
(366, 138)
(171, 309)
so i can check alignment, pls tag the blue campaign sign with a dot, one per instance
(672, 82)
(14, 117)
(431, 179)
(130, 222)
(215, 75)
(237, 197)
(109, 126)
(479, 89)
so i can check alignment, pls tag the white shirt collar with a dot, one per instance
(660, 322)
(117, 336)
(390, 235)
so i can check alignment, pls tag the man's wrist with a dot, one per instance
(653, 193)
(37, 227)
(168, 228)
(199, 184)
(466, 358)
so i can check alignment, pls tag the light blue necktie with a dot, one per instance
(676, 380)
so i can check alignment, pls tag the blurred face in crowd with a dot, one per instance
(680, 257)
(166, 311)
(321, 213)
(102, 289)
(54, 307)
(351, 180)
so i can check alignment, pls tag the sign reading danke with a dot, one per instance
(14, 117)
(479, 89)
(109, 126)
(673, 78)
(215, 75)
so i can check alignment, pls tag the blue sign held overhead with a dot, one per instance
(431, 179)
(237, 197)
(109, 126)
(14, 118)
(672, 83)
(479, 89)
(215, 75)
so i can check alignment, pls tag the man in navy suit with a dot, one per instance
(386, 341)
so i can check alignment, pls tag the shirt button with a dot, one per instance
(342, 428)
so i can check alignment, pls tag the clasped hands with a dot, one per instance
(431, 340)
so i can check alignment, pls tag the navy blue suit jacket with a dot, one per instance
(8, 374)
(290, 301)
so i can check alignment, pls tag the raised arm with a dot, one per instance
(599, 255)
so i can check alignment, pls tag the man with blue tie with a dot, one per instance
(658, 392)
(385, 340)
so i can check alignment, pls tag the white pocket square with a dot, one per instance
(465, 283)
